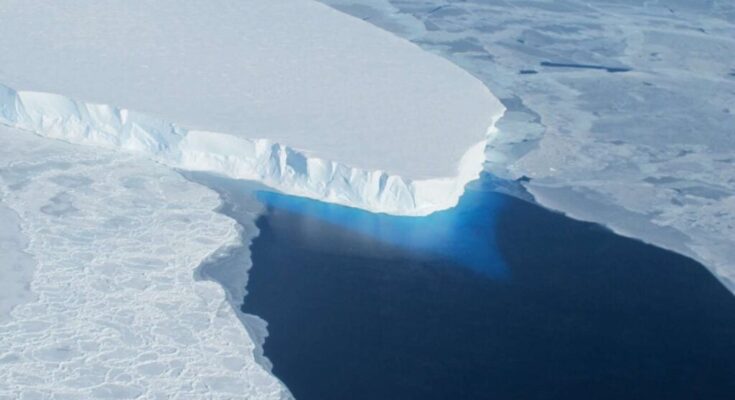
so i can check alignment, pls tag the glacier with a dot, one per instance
(619, 112)
(101, 103)
(312, 102)
(296, 94)
(263, 160)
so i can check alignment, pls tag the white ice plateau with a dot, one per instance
(620, 112)
(292, 93)
(101, 238)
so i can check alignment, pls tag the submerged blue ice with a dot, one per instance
(464, 235)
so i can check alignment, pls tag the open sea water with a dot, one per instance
(495, 299)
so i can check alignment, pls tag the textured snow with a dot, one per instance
(384, 119)
(16, 266)
(648, 151)
(116, 310)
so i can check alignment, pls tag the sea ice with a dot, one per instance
(16, 267)
(293, 94)
(619, 112)
(116, 310)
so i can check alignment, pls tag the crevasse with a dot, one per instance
(274, 164)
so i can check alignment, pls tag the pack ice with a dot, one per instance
(291, 93)
(104, 300)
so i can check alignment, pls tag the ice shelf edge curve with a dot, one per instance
(274, 164)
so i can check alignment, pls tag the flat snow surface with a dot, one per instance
(620, 112)
(293, 71)
(116, 311)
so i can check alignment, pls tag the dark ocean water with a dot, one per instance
(496, 299)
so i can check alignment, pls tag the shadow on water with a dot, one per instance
(506, 301)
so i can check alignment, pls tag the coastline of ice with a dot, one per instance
(307, 99)
(262, 160)
(116, 309)
(618, 112)
(230, 266)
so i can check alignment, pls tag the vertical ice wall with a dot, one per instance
(305, 98)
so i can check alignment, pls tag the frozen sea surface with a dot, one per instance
(16, 267)
(619, 112)
(116, 309)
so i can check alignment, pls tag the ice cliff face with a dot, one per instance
(274, 164)
(392, 117)
(619, 112)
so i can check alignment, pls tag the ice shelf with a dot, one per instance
(619, 112)
(305, 99)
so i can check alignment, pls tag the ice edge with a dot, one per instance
(275, 165)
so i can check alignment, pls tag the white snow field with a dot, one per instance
(116, 311)
(305, 98)
(16, 268)
(647, 149)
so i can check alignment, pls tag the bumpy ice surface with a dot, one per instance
(16, 270)
(115, 310)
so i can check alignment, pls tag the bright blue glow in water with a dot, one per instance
(365, 306)
(464, 235)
